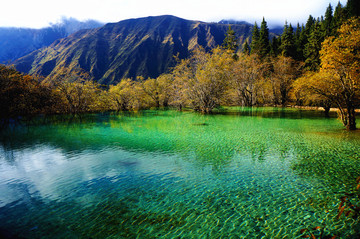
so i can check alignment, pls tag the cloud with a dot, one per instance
(38, 13)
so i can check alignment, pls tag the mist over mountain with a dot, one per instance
(18, 42)
(130, 48)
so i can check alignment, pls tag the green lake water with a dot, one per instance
(239, 173)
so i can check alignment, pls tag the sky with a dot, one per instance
(40, 13)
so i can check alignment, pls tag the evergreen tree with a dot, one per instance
(338, 19)
(230, 42)
(327, 23)
(287, 46)
(299, 42)
(313, 47)
(309, 24)
(264, 44)
(274, 46)
(255, 40)
(353, 8)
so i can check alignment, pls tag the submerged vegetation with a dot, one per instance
(315, 65)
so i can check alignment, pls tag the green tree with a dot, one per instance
(287, 47)
(230, 41)
(313, 47)
(353, 8)
(339, 18)
(264, 44)
(275, 46)
(255, 40)
(327, 24)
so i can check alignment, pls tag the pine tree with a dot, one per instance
(287, 46)
(230, 42)
(339, 18)
(255, 40)
(313, 47)
(353, 8)
(264, 44)
(309, 24)
(298, 42)
(274, 46)
(327, 23)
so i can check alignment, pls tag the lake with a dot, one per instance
(238, 173)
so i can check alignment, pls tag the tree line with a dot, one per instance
(315, 65)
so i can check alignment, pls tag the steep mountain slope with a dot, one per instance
(18, 42)
(135, 47)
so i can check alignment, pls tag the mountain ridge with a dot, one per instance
(129, 48)
(17, 42)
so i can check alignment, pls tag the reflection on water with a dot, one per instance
(255, 173)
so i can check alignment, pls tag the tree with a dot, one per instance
(22, 95)
(121, 95)
(158, 90)
(285, 71)
(77, 93)
(287, 47)
(353, 8)
(264, 44)
(339, 18)
(203, 79)
(246, 73)
(274, 46)
(339, 76)
(312, 48)
(230, 41)
(327, 24)
(255, 40)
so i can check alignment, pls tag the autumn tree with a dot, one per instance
(284, 72)
(78, 94)
(121, 95)
(158, 90)
(21, 95)
(203, 79)
(339, 76)
(246, 74)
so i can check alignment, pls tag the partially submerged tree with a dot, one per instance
(204, 79)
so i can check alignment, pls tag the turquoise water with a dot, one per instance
(240, 173)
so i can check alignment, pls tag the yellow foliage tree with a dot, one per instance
(122, 95)
(339, 77)
(203, 79)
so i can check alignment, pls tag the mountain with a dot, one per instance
(130, 48)
(18, 42)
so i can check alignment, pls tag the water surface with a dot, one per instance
(240, 173)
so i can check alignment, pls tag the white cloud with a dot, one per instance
(38, 13)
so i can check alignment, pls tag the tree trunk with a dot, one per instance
(351, 120)
(327, 111)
